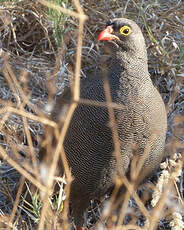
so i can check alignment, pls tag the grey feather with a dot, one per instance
(89, 145)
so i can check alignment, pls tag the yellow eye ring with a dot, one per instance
(125, 30)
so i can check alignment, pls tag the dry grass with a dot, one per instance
(33, 69)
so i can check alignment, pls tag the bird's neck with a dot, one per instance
(130, 69)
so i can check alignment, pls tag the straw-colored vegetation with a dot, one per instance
(40, 50)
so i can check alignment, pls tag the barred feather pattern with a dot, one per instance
(89, 144)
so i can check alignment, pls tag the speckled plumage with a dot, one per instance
(88, 144)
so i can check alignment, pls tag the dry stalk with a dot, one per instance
(16, 202)
(18, 88)
(112, 121)
(30, 145)
(71, 110)
(100, 104)
(30, 116)
(21, 170)
(63, 10)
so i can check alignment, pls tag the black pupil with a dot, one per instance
(125, 31)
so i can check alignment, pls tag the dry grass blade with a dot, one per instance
(112, 122)
(66, 11)
(16, 201)
(72, 108)
(46, 121)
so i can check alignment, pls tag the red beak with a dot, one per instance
(81, 228)
(107, 34)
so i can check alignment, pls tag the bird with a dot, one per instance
(140, 119)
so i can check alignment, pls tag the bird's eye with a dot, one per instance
(125, 30)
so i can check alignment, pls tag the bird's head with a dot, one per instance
(123, 35)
